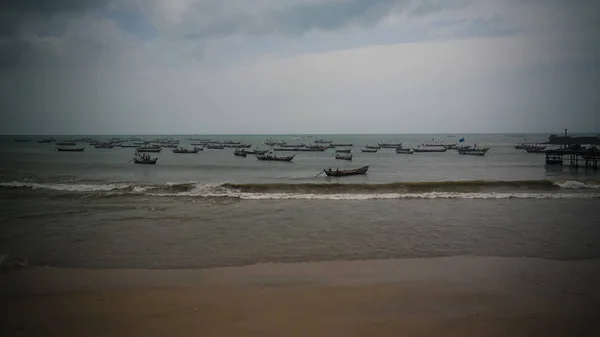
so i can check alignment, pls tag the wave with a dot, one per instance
(474, 189)
(7, 263)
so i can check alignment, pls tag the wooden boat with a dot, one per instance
(323, 141)
(301, 149)
(389, 145)
(104, 146)
(446, 146)
(183, 150)
(343, 151)
(372, 146)
(239, 146)
(369, 150)
(239, 152)
(344, 157)
(151, 148)
(256, 151)
(404, 151)
(318, 146)
(272, 142)
(70, 149)
(536, 150)
(270, 157)
(342, 173)
(215, 146)
(293, 145)
(145, 161)
(474, 152)
(342, 144)
(430, 149)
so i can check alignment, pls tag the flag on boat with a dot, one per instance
(461, 140)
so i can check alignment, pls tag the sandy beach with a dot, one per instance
(458, 296)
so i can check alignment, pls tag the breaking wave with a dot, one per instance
(7, 263)
(475, 189)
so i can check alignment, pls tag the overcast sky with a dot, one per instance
(299, 66)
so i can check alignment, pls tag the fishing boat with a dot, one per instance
(323, 141)
(46, 140)
(377, 147)
(272, 142)
(343, 156)
(184, 150)
(70, 149)
(271, 157)
(256, 151)
(446, 146)
(104, 146)
(239, 152)
(199, 148)
(342, 144)
(215, 146)
(128, 145)
(149, 148)
(389, 145)
(300, 149)
(144, 159)
(341, 173)
(472, 150)
(369, 150)
(404, 151)
(430, 149)
(343, 151)
(318, 146)
(293, 145)
(239, 146)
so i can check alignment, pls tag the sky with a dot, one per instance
(299, 66)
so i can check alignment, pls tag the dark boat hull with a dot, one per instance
(145, 162)
(75, 149)
(274, 158)
(153, 150)
(344, 173)
(344, 157)
(369, 150)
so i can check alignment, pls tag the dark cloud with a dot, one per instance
(208, 19)
(425, 7)
(49, 6)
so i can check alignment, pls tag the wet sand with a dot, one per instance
(456, 296)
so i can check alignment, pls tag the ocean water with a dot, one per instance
(95, 209)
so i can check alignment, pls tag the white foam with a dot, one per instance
(68, 187)
(575, 184)
(208, 191)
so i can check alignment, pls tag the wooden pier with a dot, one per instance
(587, 158)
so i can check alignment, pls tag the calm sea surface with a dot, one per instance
(95, 209)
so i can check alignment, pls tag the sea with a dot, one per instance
(96, 209)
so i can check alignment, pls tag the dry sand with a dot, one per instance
(411, 297)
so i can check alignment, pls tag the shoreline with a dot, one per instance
(338, 272)
(455, 296)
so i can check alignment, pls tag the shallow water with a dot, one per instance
(95, 210)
